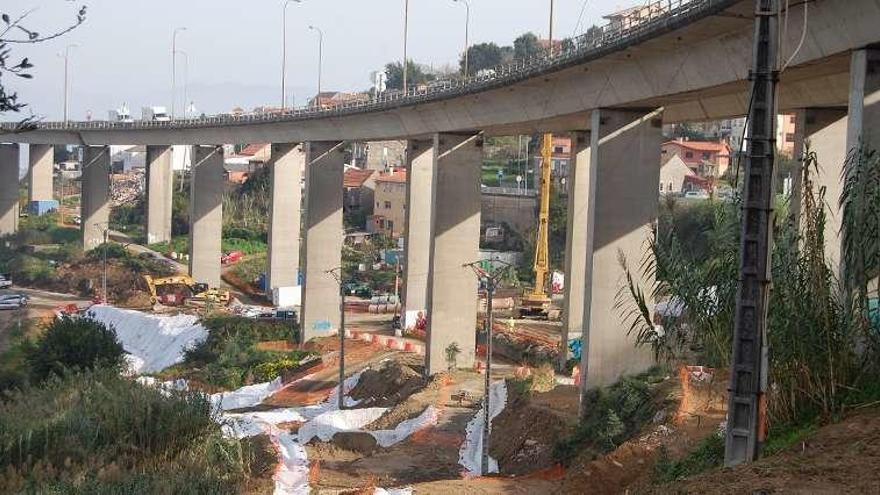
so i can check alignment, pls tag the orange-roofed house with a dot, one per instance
(704, 158)
(359, 187)
(389, 210)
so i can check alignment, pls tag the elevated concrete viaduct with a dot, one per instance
(613, 90)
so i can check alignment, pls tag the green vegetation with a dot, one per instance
(615, 414)
(97, 432)
(249, 269)
(229, 357)
(824, 349)
(74, 344)
(180, 245)
(708, 454)
(48, 256)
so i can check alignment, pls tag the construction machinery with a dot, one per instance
(537, 301)
(182, 289)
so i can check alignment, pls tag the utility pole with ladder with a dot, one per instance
(747, 411)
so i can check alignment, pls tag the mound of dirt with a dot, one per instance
(392, 383)
(412, 406)
(526, 432)
(839, 458)
(356, 441)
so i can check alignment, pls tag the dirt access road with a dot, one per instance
(42, 304)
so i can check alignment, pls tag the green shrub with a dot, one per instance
(709, 454)
(270, 370)
(613, 415)
(74, 343)
(27, 269)
(97, 432)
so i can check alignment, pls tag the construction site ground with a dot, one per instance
(840, 458)
(43, 304)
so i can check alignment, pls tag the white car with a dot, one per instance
(5, 281)
(696, 195)
(13, 301)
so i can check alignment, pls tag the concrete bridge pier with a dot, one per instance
(420, 169)
(834, 135)
(454, 241)
(581, 189)
(206, 214)
(160, 187)
(8, 188)
(621, 205)
(42, 158)
(286, 168)
(322, 238)
(95, 201)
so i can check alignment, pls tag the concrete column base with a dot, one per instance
(95, 202)
(160, 190)
(455, 241)
(8, 189)
(206, 214)
(286, 168)
(623, 176)
(323, 238)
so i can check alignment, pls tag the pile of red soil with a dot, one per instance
(392, 383)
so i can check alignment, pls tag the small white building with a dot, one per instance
(673, 174)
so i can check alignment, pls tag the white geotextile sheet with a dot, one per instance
(248, 396)
(152, 342)
(329, 423)
(470, 455)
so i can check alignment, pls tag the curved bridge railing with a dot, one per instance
(642, 23)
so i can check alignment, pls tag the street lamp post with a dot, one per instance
(284, 50)
(467, 24)
(405, 30)
(174, 67)
(320, 61)
(185, 80)
(66, 78)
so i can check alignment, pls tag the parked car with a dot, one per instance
(13, 301)
(231, 257)
(5, 280)
(696, 195)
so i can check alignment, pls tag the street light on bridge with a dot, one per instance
(284, 51)
(66, 77)
(174, 67)
(405, 29)
(320, 61)
(467, 23)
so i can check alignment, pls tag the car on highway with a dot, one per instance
(14, 301)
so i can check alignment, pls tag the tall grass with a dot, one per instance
(823, 350)
(97, 432)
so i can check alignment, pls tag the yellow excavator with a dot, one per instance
(192, 291)
(537, 302)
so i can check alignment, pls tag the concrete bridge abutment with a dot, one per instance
(8, 188)
(322, 238)
(620, 207)
(206, 214)
(454, 241)
(95, 200)
(160, 186)
(286, 169)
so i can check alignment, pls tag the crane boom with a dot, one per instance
(538, 300)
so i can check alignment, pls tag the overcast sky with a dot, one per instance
(234, 46)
